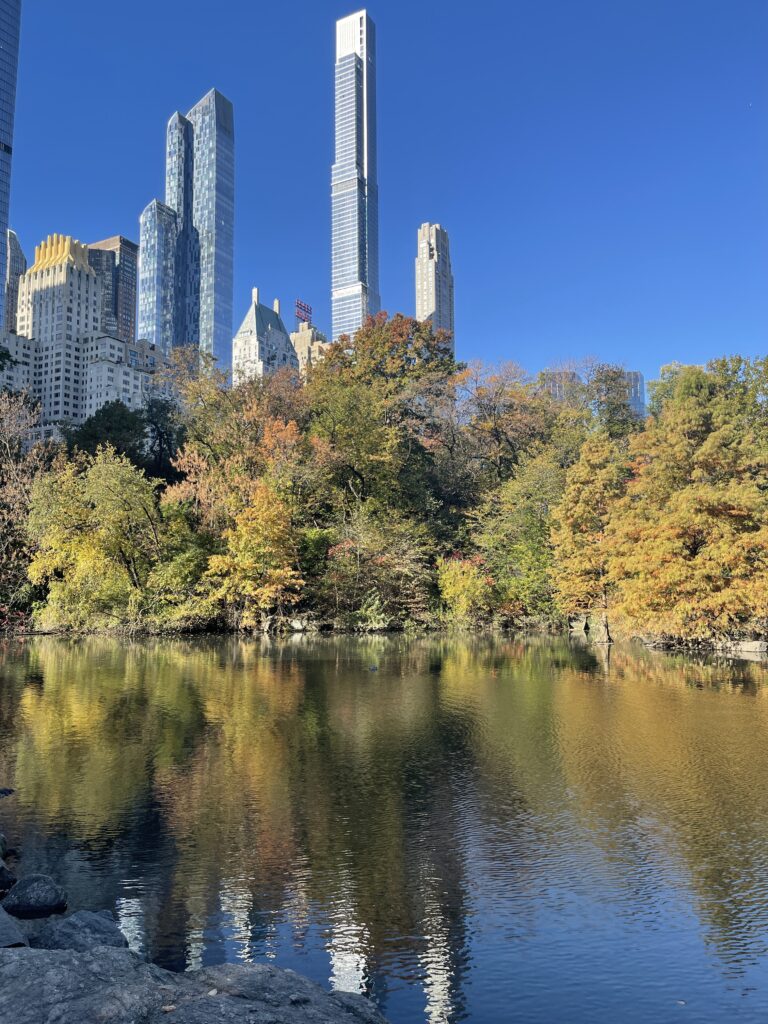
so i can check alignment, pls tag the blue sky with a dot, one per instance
(601, 165)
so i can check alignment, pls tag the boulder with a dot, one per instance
(35, 896)
(114, 985)
(7, 878)
(10, 933)
(4, 791)
(80, 931)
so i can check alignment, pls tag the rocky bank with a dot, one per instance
(77, 969)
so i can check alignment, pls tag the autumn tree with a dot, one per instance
(97, 530)
(689, 541)
(256, 576)
(20, 465)
(579, 533)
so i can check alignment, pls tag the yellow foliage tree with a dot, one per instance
(580, 524)
(689, 542)
(255, 576)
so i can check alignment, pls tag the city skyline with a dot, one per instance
(612, 248)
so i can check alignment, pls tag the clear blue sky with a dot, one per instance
(601, 166)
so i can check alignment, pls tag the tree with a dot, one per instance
(256, 576)
(608, 394)
(20, 465)
(580, 523)
(96, 525)
(513, 534)
(114, 424)
(689, 541)
(466, 589)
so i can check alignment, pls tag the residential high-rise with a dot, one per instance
(16, 265)
(434, 279)
(186, 248)
(262, 344)
(116, 260)
(354, 184)
(10, 19)
(61, 356)
(157, 275)
(59, 306)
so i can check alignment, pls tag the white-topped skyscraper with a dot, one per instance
(186, 244)
(10, 20)
(434, 278)
(354, 184)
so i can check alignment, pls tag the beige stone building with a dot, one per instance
(309, 344)
(61, 356)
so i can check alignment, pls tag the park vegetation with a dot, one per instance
(395, 489)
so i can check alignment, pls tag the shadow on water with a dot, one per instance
(454, 827)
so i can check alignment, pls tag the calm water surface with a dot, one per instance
(465, 831)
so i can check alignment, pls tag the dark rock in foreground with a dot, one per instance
(7, 879)
(35, 896)
(107, 984)
(10, 933)
(79, 932)
(4, 791)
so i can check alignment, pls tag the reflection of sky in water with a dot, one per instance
(481, 832)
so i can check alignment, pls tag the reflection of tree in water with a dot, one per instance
(375, 788)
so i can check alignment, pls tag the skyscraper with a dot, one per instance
(16, 265)
(10, 19)
(354, 187)
(157, 275)
(116, 260)
(191, 236)
(434, 279)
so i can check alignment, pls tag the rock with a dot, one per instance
(35, 896)
(7, 878)
(114, 985)
(751, 647)
(81, 931)
(3, 845)
(4, 791)
(10, 933)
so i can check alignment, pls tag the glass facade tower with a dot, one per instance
(157, 276)
(10, 20)
(116, 260)
(192, 235)
(354, 187)
(16, 265)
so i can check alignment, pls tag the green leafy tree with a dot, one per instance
(114, 424)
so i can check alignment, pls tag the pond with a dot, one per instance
(468, 830)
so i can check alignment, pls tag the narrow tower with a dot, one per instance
(10, 18)
(434, 278)
(354, 186)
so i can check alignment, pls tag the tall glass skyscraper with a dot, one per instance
(10, 20)
(354, 187)
(191, 235)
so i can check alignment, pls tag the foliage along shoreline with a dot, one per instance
(396, 490)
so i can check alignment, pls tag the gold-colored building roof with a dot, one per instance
(58, 249)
